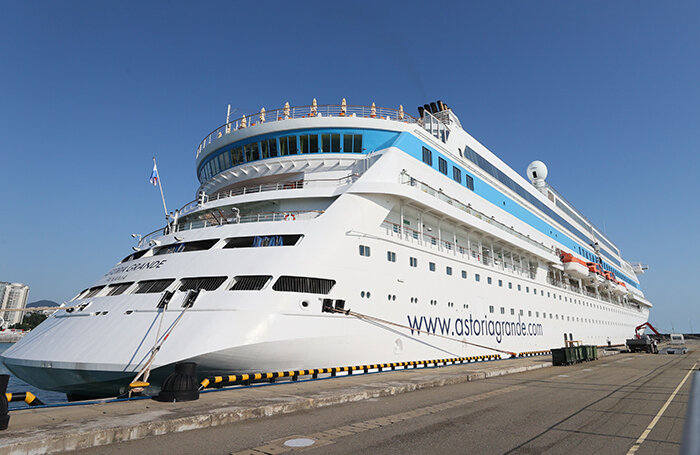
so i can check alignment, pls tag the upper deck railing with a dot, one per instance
(287, 112)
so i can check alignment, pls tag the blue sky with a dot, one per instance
(606, 93)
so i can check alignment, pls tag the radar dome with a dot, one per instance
(537, 172)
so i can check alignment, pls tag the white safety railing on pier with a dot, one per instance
(286, 113)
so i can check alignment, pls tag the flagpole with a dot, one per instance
(161, 189)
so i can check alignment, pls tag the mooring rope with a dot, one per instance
(384, 321)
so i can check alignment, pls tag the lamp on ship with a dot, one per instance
(285, 111)
(262, 115)
(314, 108)
(343, 108)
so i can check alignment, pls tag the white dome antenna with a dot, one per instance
(537, 173)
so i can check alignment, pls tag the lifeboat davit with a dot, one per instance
(619, 288)
(574, 266)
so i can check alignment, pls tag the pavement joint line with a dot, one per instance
(325, 436)
(656, 418)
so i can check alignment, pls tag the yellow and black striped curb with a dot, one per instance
(219, 381)
(27, 397)
(534, 353)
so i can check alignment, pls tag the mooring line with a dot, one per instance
(384, 321)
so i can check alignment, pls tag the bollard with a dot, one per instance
(4, 417)
(182, 385)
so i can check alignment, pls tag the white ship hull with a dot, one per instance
(510, 308)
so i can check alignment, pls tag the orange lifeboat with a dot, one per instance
(574, 266)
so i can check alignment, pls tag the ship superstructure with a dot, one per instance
(409, 220)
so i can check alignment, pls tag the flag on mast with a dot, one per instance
(154, 175)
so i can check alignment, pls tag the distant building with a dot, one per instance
(12, 295)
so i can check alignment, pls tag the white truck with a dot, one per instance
(677, 338)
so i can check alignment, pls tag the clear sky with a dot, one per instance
(606, 93)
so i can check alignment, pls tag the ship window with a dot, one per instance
(263, 240)
(269, 148)
(207, 283)
(152, 286)
(198, 245)
(427, 156)
(448, 270)
(288, 145)
(490, 308)
(477, 277)
(391, 256)
(93, 292)
(135, 255)
(503, 310)
(519, 288)
(117, 289)
(464, 273)
(510, 285)
(237, 156)
(469, 181)
(413, 262)
(352, 143)
(500, 283)
(303, 284)
(335, 142)
(512, 311)
(364, 250)
(431, 266)
(309, 143)
(330, 143)
(488, 280)
(249, 282)
(456, 174)
(252, 153)
(442, 165)
(227, 159)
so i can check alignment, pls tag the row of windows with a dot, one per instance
(281, 146)
(413, 262)
(240, 283)
(480, 161)
(253, 241)
(442, 167)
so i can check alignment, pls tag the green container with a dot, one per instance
(594, 348)
(580, 353)
(572, 354)
(559, 357)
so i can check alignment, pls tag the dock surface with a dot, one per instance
(602, 407)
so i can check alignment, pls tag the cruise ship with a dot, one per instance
(332, 235)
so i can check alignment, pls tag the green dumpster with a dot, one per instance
(559, 357)
(595, 352)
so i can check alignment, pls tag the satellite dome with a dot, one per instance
(537, 172)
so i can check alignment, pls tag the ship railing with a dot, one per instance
(323, 110)
(299, 184)
(298, 215)
(408, 180)
(445, 246)
(294, 215)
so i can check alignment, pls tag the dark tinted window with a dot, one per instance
(249, 282)
(207, 283)
(303, 284)
(198, 245)
(263, 240)
(469, 181)
(442, 165)
(117, 289)
(457, 174)
(135, 255)
(93, 292)
(152, 286)
(427, 156)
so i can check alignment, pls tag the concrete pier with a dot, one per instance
(506, 406)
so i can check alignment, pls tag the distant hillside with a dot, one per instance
(41, 303)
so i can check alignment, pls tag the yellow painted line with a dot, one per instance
(655, 420)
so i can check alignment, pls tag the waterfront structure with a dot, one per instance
(304, 211)
(12, 295)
